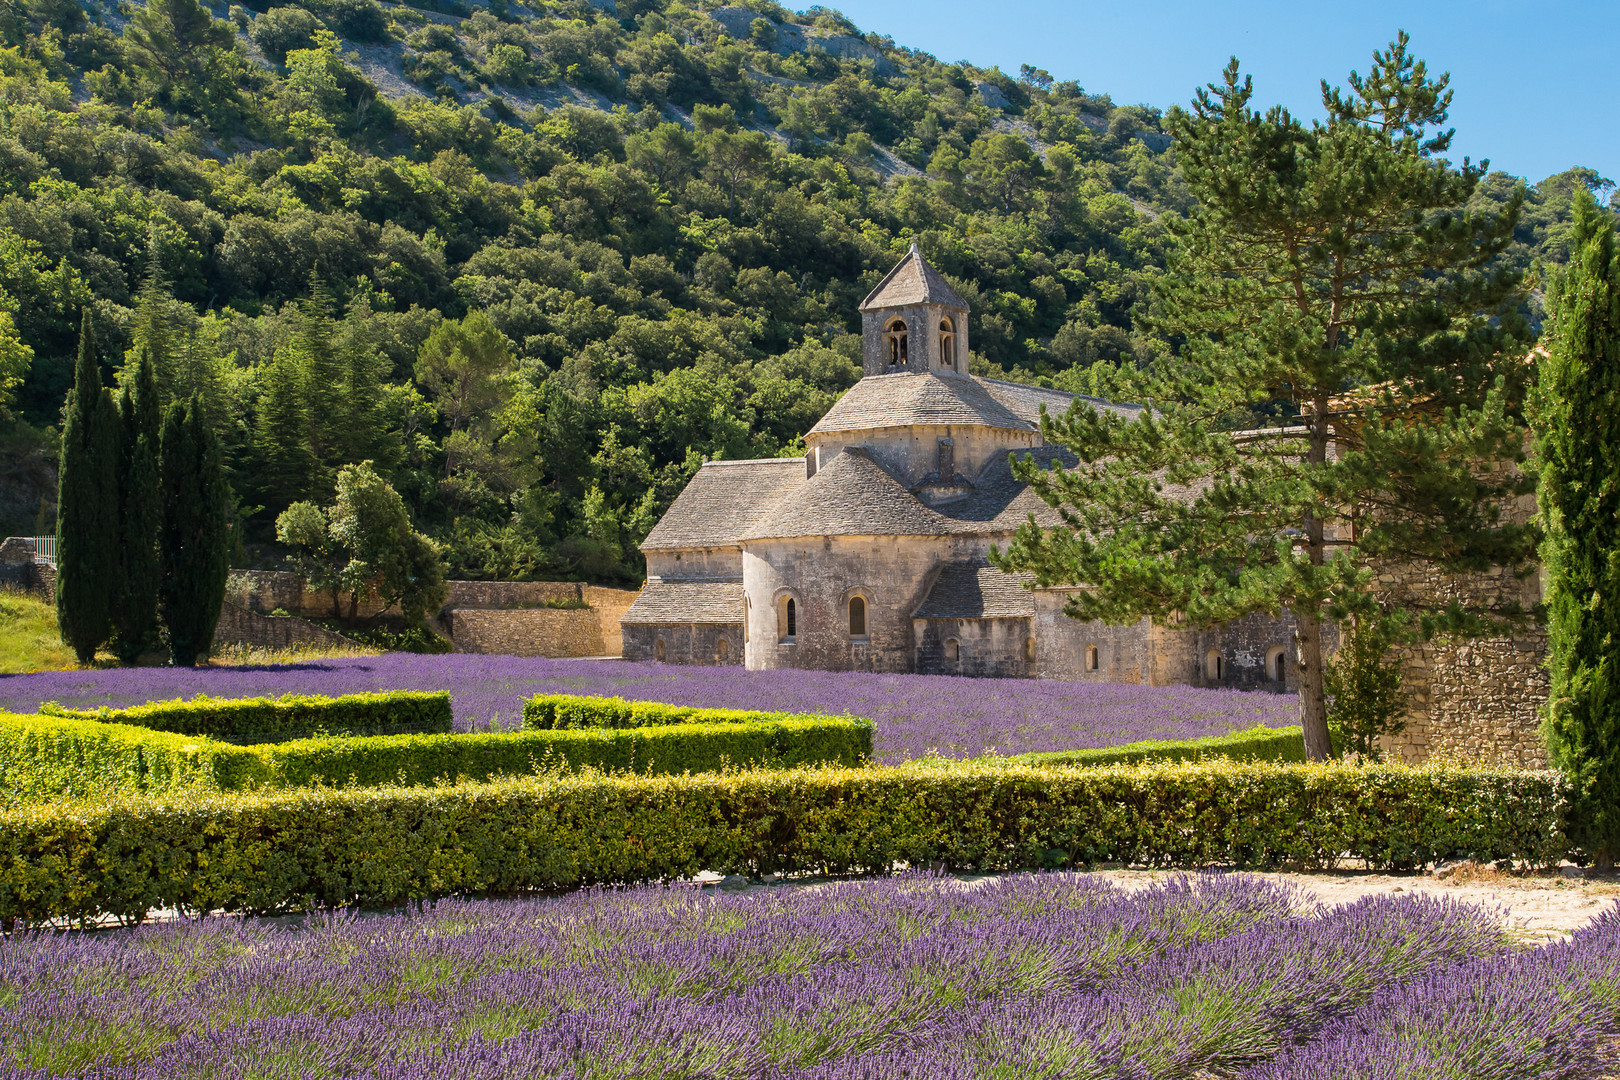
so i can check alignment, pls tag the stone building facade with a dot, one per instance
(870, 553)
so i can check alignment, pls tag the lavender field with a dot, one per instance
(1052, 976)
(915, 714)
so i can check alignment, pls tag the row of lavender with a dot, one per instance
(1026, 976)
(915, 714)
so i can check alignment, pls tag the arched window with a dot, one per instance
(1214, 665)
(722, 650)
(953, 650)
(1029, 649)
(658, 650)
(857, 616)
(896, 335)
(787, 620)
(1091, 658)
(1277, 663)
(947, 344)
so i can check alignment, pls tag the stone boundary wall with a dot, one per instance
(610, 606)
(511, 594)
(549, 632)
(239, 626)
(18, 570)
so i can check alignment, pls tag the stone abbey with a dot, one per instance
(869, 553)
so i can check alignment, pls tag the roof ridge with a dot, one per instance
(753, 461)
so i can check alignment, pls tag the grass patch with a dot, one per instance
(29, 638)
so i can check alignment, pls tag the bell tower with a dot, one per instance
(913, 323)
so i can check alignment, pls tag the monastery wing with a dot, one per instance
(724, 502)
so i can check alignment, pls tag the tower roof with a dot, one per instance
(912, 281)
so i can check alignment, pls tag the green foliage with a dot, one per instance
(16, 358)
(313, 848)
(87, 508)
(194, 544)
(281, 29)
(1256, 744)
(1578, 410)
(139, 519)
(53, 757)
(270, 720)
(1363, 687)
(29, 637)
(1347, 395)
(556, 712)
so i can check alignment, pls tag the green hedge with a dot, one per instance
(314, 847)
(292, 716)
(1256, 744)
(52, 757)
(551, 712)
(421, 759)
(46, 757)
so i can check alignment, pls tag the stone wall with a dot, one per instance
(240, 626)
(18, 570)
(699, 644)
(550, 632)
(610, 606)
(986, 648)
(511, 594)
(1125, 654)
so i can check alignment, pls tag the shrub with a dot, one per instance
(291, 716)
(422, 759)
(43, 757)
(565, 711)
(1256, 744)
(325, 847)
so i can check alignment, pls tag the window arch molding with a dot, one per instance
(1277, 663)
(896, 342)
(1214, 666)
(847, 610)
(789, 615)
(947, 342)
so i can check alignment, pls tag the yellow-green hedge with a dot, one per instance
(54, 757)
(51, 757)
(1256, 744)
(547, 712)
(309, 847)
(291, 716)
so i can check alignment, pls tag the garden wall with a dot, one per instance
(554, 632)
(239, 626)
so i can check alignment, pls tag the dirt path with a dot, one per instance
(1536, 907)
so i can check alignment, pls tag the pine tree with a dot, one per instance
(1345, 397)
(1578, 422)
(194, 542)
(87, 507)
(140, 517)
(285, 469)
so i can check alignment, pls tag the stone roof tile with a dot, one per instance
(675, 602)
(902, 400)
(1025, 401)
(912, 281)
(976, 590)
(725, 500)
(852, 495)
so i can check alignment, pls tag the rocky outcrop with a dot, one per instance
(792, 38)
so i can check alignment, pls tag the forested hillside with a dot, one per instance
(538, 261)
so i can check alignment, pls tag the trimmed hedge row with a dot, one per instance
(322, 847)
(49, 757)
(292, 716)
(421, 759)
(1256, 744)
(554, 712)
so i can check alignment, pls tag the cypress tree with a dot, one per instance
(1578, 422)
(140, 514)
(194, 541)
(87, 507)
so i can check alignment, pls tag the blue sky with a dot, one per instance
(1537, 84)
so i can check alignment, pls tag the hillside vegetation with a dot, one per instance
(537, 262)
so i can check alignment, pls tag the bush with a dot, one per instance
(291, 716)
(43, 757)
(327, 847)
(1256, 744)
(51, 757)
(565, 711)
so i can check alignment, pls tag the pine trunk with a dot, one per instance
(1312, 698)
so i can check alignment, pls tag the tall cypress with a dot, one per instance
(140, 505)
(194, 540)
(1578, 421)
(87, 507)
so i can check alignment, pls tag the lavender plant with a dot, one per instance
(915, 714)
(1024, 976)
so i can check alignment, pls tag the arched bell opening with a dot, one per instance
(895, 337)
